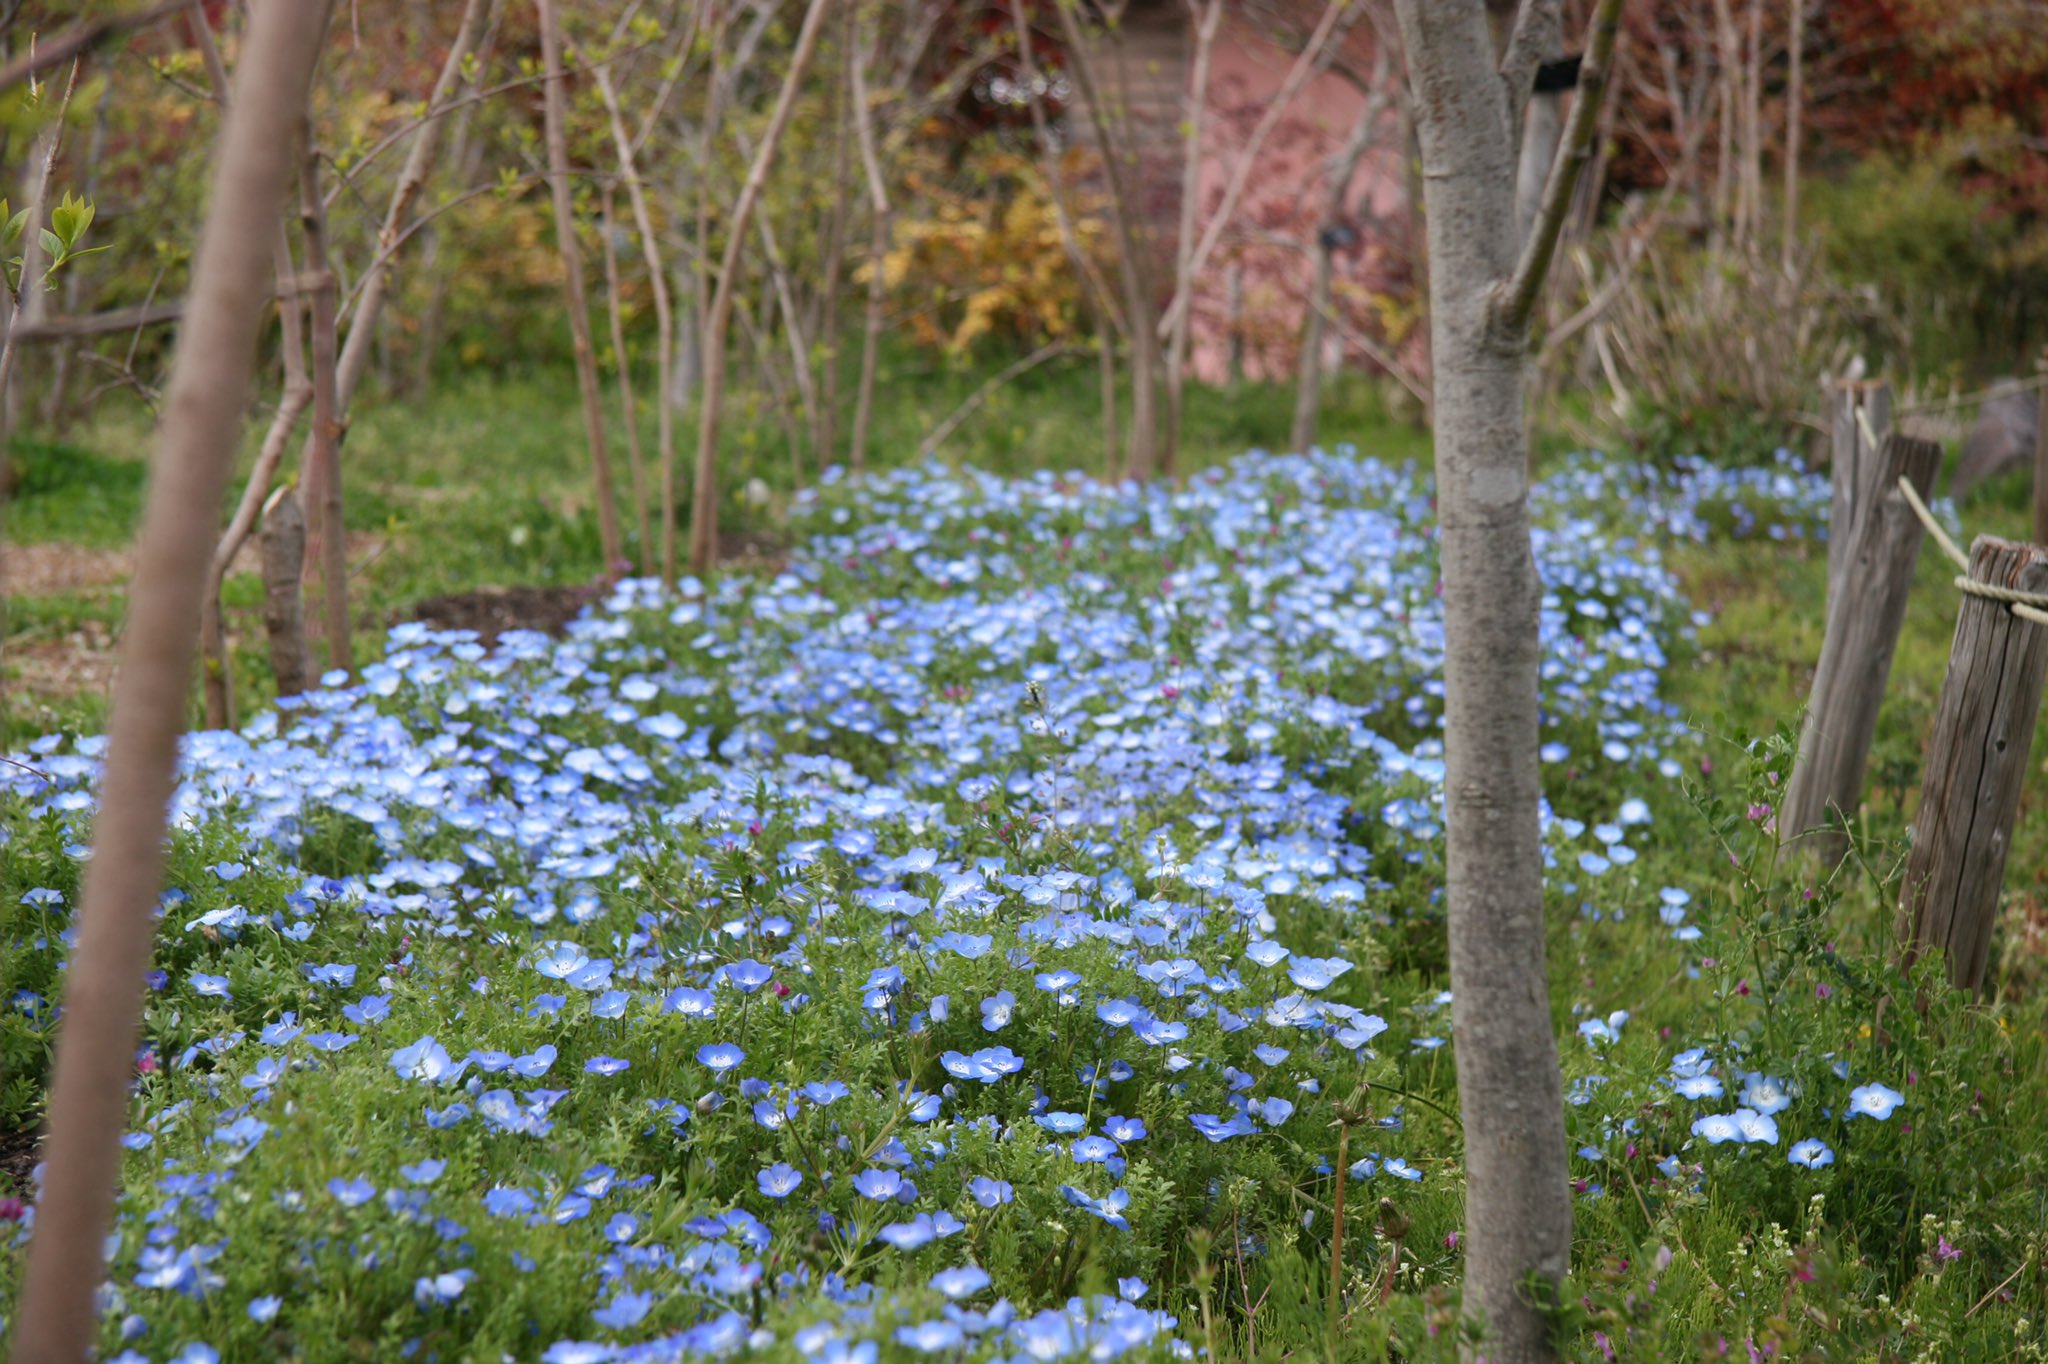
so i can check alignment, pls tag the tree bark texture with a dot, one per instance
(204, 405)
(1976, 762)
(1483, 279)
(284, 603)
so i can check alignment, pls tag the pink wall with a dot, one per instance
(1286, 198)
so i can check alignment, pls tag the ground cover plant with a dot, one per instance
(991, 936)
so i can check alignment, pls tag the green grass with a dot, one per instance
(486, 482)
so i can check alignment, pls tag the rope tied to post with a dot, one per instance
(2028, 606)
(2032, 606)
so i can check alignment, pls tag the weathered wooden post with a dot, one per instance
(1866, 607)
(1852, 463)
(2041, 449)
(1976, 761)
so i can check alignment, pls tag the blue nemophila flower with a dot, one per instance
(1109, 1208)
(1765, 1094)
(920, 1231)
(427, 1060)
(368, 1010)
(1221, 1129)
(606, 1065)
(1316, 973)
(824, 1093)
(351, 1193)
(1093, 1150)
(423, 1172)
(961, 1281)
(1874, 1101)
(997, 1010)
(779, 1180)
(884, 1186)
(720, 1057)
(1697, 1086)
(1813, 1153)
(1121, 1013)
(1123, 1129)
(610, 1004)
(434, 1289)
(930, 1337)
(990, 1193)
(340, 974)
(284, 1030)
(1400, 1169)
(748, 975)
(624, 1310)
(264, 1310)
(689, 1002)
(210, 987)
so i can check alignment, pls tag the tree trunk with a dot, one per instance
(878, 250)
(704, 494)
(1484, 279)
(555, 115)
(1208, 17)
(664, 321)
(1795, 102)
(203, 410)
(629, 409)
(1139, 321)
(330, 544)
(1343, 168)
(284, 605)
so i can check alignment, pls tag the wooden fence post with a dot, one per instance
(1976, 761)
(1865, 609)
(2041, 449)
(1852, 464)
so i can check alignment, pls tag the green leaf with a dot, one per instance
(12, 232)
(53, 245)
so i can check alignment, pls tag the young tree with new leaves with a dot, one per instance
(1485, 278)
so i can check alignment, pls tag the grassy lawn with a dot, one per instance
(485, 483)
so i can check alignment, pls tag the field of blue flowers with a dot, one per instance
(1014, 932)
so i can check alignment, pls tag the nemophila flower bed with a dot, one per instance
(963, 943)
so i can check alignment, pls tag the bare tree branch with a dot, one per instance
(1517, 302)
(1538, 33)
(79, 39)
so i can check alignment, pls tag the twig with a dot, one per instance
(78, 40)
(981, 395)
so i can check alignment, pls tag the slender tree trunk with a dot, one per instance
(1484, 281)
(1795, 101)
(629, 409)
(1139, 318)
(330, 545)
(825, 329)
(555, 114)
(1095, 291)
(203, 409)
(664, 321)
(1343, 169)
(704, 496)
(1208, 17)
(878, 246)
(296, 397)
